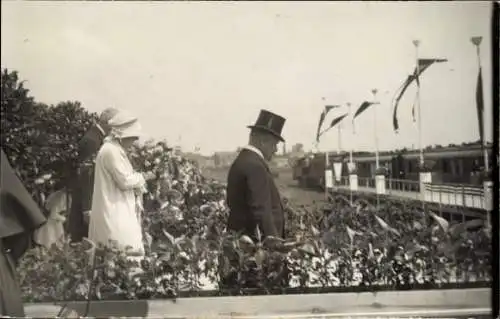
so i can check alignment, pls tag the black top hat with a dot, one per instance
(269, 122)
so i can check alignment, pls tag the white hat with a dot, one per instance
(107, 115)
(122, 118)
(133, 129)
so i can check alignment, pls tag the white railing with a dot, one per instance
(456, 195)
(447, 194)
(402, 185)
(366, 182)
(344, 181)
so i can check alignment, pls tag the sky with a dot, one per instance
(197, 73)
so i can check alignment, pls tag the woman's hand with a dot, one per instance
(149, 175)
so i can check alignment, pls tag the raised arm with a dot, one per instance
(118, 165)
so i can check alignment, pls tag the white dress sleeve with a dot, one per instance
(120, 169)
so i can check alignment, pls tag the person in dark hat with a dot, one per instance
(252, 195)
(20, 216)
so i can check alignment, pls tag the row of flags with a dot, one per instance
(423, 64)
(363, 107)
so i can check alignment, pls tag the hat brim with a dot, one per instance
(134, 134)
(265, 129)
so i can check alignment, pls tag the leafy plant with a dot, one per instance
(340, 243)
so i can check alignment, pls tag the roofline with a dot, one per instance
(467, 151)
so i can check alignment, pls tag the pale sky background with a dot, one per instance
(203, 70)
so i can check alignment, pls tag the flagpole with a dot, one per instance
(477, 42)
(374, 92)
(339, 150)
(416, 43)
(327, 162)
(350, 153)
(339, 146)
(352, 121)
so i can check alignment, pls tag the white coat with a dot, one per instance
(113, 216)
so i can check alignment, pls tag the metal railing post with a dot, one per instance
(440, 200)
(463, 197)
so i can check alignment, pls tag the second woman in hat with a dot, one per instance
(113, 220)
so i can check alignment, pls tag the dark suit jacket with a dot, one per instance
(82, 185)
(19, 213)
(19, 217)
(253, 198)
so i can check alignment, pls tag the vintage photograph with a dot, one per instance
(236, 159)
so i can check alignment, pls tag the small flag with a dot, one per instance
(322, 119)
(337, 120)
(401, 91)
(480, 104)
(365, 105)
(423, 64)
(360, 110)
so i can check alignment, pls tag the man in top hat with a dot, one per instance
(20, 216)
(83, 180)
(252, 196)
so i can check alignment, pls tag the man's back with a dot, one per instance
(252, 197)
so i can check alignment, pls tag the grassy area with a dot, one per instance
(288, 187)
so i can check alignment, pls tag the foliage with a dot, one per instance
(39, 140)
(336, 244)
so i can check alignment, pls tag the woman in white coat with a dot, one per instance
(114, 219)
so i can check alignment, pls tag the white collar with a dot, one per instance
(254, 149)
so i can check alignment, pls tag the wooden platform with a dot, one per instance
(422, 303)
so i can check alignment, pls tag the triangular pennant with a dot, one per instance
(337, 120)
(365, 105)
(401, 91)
(322, 119)
(480, 104)
(423, 64)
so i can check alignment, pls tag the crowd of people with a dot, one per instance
(105, 197)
